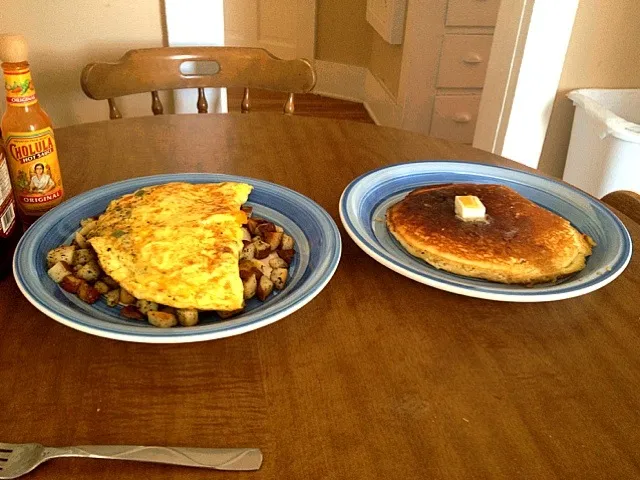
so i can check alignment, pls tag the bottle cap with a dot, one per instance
(13, 48)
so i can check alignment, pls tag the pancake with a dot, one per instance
(520, 242)
(176, 244)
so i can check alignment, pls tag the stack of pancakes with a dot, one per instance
(519, 242)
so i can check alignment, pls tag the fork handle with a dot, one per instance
(216, 458)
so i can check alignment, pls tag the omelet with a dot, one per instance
(176, 244)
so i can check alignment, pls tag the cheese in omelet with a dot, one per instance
(176, 244)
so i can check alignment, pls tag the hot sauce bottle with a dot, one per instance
(32, 155)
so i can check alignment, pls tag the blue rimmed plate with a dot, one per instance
(365, 201)
(316, 236)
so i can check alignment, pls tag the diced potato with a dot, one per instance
(263, 228)
(83, 255)
(279, 277)
(248, 252)
(89, 272)
(277, 262)
(87, 228)
(251, 267)
(132, 312)
(246, 234)
(273, 239)
(126, 298)
(71, 283)
(252, 224)
(110, 281)
(81, 241)
(279, 229)
(250, 285)
(187, 317)
(112, 297)
(102, 287)
(263, 249)
(287, 242)
(161, 319)
(59, 271)
(167, 309)
(247, 209)
(87, 293)
(265, 287)
(229, 314)
(145, 306)
(286, 255)
(64, 253)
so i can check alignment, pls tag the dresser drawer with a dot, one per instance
(472, 13)
(454, 117)
(463, 61)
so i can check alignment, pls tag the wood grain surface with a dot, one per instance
(378, 377)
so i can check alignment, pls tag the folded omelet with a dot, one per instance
(176, 244)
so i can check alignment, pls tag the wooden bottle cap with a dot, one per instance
(13, 48)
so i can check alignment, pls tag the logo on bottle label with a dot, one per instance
(19, 87)
(34, 169)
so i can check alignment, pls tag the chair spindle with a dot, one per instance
(114, 113)
(156, 104)
(245, 106)
(203, 106)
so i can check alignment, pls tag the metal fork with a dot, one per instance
(18, 459)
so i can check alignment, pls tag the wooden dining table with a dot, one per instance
(377, 377)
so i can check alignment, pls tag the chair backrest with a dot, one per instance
(626, 201)
(155, 69)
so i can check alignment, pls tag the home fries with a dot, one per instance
(166, 252)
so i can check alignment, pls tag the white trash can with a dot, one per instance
(604, 151)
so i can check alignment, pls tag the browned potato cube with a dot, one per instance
(263, 249)
(252, 224)
(277, 262)
(126, 298)
(132, 312)
(167, 309)
(287, 242)
(87, 228)
(265, 227)
(89, 272)
(229, 314)
(59, 271)
(187, 317)
(162, 319)
(279, 229)
(71, 283)
(246, 235)
(250, 285)
(83, 255)
(264, 289)
(273, 239)
(248, 268)
(247, 209)
(286, 255)
(102, 287)
(80, 240)
(64, 253)
(145, 306)
(110, 281)
(112, 297)
(87, 293)
(248, 252)
(279, 277)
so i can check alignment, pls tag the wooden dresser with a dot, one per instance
(464, 44)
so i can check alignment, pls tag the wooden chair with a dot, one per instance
(155, 69)
(625, 201)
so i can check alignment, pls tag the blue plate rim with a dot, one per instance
(191, 334)
(527, 294)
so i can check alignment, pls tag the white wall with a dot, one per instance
(65, 35)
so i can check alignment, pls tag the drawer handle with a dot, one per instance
(472, 58)
(461, 118)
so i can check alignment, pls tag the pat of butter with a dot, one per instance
(469, 208)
